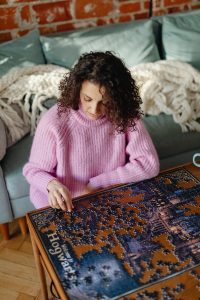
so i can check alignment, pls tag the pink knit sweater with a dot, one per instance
(78, 151)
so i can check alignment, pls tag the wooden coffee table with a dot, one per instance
(133, 241)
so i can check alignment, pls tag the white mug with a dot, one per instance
(196, 156)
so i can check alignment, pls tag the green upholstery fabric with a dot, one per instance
(6, 214)
(181, 38)
(168, 138)
(133, 42)
(21, 206)
(12, 164)
(20, 52)
(177, 160)
(3, 143)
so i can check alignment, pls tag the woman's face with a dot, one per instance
(92, 100)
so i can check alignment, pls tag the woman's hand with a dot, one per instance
(87, 190)
(59, 196)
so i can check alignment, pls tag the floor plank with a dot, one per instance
(18, 275)
(6, 294)
(26, 247)
(25, 297)
(13, 283)
(19, 271)
(17, 257)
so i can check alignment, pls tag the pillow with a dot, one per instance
(133, 42)
(20, 52)
(181, 38)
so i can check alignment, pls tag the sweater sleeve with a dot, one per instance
(40, 168)
(142, 162)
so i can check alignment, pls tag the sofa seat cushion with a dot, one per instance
(168, 137)
(12, 164)
(21, 206)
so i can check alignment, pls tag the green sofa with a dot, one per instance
(174, 36)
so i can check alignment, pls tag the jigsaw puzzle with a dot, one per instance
(136, 241)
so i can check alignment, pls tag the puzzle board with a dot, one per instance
(128, 242)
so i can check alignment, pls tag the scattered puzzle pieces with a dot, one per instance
(137, 241)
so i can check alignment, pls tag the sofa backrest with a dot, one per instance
(178, 36)
(132, 41)
(20, 52)
(172, 36)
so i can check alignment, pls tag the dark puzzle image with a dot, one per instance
(122, 242)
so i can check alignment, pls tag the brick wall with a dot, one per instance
(17, 17)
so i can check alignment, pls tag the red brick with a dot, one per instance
(101, 21)
(92, 8)
(66, 27)
(146, 4)
(129, 7)
(196, 6)
(159, 12)
(8, 18)
(3, 2)
(5, 36)
(174, 2)
(143, 15)
(25, 14)
(23, 32)
(52, 12)
(125, 18)
(15, 34)
(175, 9)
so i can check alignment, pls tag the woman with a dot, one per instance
(93, 137)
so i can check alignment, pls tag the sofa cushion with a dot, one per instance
(12, 164)
(133, 42)
(6, 214)
(168, 137)
(21, 51)
(181, 38)
(21, 206)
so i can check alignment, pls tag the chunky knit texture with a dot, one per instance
(78, 151)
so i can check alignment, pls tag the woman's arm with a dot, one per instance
(143, 162)
(40, 168)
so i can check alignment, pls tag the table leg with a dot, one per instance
(22, 225)
(40, 269)
(5, 231)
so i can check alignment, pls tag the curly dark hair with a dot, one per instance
(109, 71)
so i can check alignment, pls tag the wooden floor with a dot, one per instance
(18, 275)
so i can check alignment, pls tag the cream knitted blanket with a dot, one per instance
(22, 93)
(171, 87)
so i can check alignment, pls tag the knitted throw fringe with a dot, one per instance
(170, 87)
(27, 88)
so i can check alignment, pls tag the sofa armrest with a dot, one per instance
(3, 144)
(6, 214)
